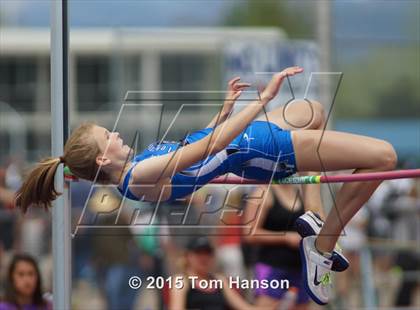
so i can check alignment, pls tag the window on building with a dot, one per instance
(125, 76)
(191, 73)
(5, 146)
(18, 79)
(38, 144)
(102, 81)
(93, 83)
(187, 73)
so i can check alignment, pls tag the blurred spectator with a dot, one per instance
(274, 213)
(82, 244)
(152, 238)
(380, 224)
(394, 210)
(200, 263)
(228, 238)
(7, 218)
(34, 232)
(353, 240)
(115, 252)
(10, 180)
(24, 286)
(406, 230)
(192, 216)
(221, 209)
(6, 196)
(13, 175)
(9, 236)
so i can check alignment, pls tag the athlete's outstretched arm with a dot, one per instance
(153, 170)
(233, 92)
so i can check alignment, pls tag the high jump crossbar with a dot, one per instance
(313, 179)
(318, 179)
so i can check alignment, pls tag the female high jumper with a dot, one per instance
(256, 148)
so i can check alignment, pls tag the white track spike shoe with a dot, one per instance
(310, 224)
(316, 271)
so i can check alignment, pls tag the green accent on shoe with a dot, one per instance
(338, 248)
(326, 279)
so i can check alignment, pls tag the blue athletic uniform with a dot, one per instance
(261, 152)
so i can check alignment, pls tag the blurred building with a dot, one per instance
(104, 65)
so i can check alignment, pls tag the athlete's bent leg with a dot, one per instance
(339, 151)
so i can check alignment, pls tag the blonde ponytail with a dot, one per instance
(38, 187)
(80, 154)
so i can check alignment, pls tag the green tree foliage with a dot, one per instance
(400, 100)
(271, 13)
(384, 83)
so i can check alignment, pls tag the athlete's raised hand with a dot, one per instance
(274, 85)
(234, 90)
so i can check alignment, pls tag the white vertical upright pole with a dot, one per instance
(323, 22)
(61, 239)
(323, 35)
